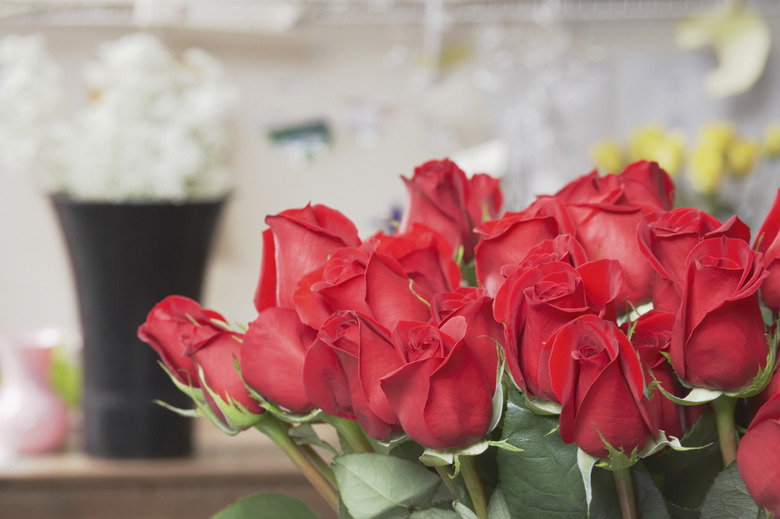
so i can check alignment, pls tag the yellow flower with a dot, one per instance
(716, 135)
(644, 141)
(741, 156)
(669, 153)
(607, 157)
(706, 169)
(772, 139)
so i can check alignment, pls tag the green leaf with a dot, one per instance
(650, 502)
(685, 477)
(433, 513)
(497, 508)
(543, 481)
(728, 498)
(305, 434)
(374, 486)
(463, 511)
(267, 505)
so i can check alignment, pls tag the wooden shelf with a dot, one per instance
(70, 484)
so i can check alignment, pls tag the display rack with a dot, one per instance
(349, 12)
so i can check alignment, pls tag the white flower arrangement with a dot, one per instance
(154, 129)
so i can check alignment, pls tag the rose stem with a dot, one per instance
(624, 484)
(277, 432)
(322, 465)
(352, 432)
(723, 406)
(445, 476)
(468, 469)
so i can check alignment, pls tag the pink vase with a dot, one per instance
(33, 418)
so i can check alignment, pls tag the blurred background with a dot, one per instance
(338, 98)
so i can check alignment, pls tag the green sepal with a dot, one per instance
(304, 434)
(586, 462)
(664, 441)
(445, 457)
(236, 417)
(542, 407)
(617, 459)
(187, 413)
(764, 375)
(385, 446)
(196, 394)
(696, 396)
(285, 416)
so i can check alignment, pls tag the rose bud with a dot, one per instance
(718, 337)
(597, 377)
(651, 337)
(225, 392)
(343, 367)
(534, 302)
(758, 458)
(297, 242)
(175, 327)
(272, 356)
(606, 211)
(507, 240)
(666, 239)
(443, 394)
(373, 284)
(768, 243)
(441, 197)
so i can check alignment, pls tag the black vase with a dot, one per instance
(125, 259)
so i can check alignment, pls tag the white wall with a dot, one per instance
(302, 75)
(280, 78)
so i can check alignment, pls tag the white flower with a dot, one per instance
(155, 128)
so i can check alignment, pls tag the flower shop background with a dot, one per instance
(525, 99)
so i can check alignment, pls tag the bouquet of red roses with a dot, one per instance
(598, 353)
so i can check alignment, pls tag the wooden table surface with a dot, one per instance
(72, 485)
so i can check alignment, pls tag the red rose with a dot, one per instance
(597, 378)
(606, 211)
(534, 302)
(768, 243)
(443, 394)
(175, 327)
(426, 258)
(217, 359)
(718, 340)
(758, 458)
(441, 197)
(272, 357)
(446, 304)
(343, 367)
(666, 239)
(373, 284)
(772, 389)
(298, 241)
(506, 241)
(651, 337)
(561, 248)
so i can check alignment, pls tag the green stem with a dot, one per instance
(445, 476)
(352, 432)
(322, 465)
(723, 406)
(468, 469)
(277, 432)
(624, 484)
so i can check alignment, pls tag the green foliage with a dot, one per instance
(544, 480)
(728, 498)
(685, 477)
(267, 505)
(374, 486)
